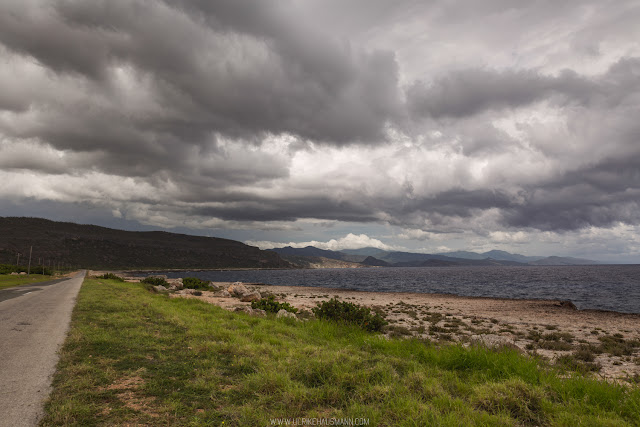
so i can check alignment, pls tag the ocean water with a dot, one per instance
(601, 287)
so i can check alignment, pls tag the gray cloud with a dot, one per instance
(440, 116)
(467, 92)
(242, 70)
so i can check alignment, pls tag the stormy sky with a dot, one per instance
(424, 126)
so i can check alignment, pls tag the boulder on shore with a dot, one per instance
(250, 296)
(175, 283)
(237, 289)
(214, 288)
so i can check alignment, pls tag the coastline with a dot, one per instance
(605, 342)
(545, 328)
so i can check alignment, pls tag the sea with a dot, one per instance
(596, 287)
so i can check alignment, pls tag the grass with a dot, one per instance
(9, 281)
(137, 358)
(616, 345)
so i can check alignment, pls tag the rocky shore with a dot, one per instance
(605, 344)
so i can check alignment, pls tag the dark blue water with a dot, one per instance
(602, 287)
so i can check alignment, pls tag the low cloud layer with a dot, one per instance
(349, 241)
(435, 119)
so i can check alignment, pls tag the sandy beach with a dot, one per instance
(608, 342)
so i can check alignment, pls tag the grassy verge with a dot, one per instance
(9, 281)
(137, 358)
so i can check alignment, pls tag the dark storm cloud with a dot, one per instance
(467, 92)
(454, 203)
(548, 212)
(223, 109)
(291, 209)
(600, 195)
(459, 202)
(240, 68)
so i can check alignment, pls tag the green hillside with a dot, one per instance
(90, 246)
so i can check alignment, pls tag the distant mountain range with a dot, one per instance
(90, 246)
(375, 257)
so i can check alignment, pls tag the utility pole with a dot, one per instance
(29, 267)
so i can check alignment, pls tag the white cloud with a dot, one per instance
(350, 241)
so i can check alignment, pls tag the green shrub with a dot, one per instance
(348, 312)
(111, 276)
(574, 363)
(154, 281)
(8, 269)
(194, 283)
(35, 269)
(616, 345)
(41, 270)
(270, 305)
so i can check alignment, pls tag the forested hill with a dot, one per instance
(90, 246)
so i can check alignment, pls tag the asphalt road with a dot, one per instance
(34, 320)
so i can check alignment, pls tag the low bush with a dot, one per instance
(111, 276)
(616, 345)
(575, 363)
(8, 269)
(348, 312)
(35, 269)
(270, 305)
(194, 283)
(154, 281)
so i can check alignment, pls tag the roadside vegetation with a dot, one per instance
(11, 281)
(134, 357)
(8, 280)
(111, 276)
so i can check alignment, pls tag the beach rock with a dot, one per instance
(258, 313)
(222, 294)
(214, 287)
(251, 296)
(237, 289)
(22, 273)
(175, 283)
(285, 313)
(14, 273)
(568, 304)
(159, 288)
(244, 309)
